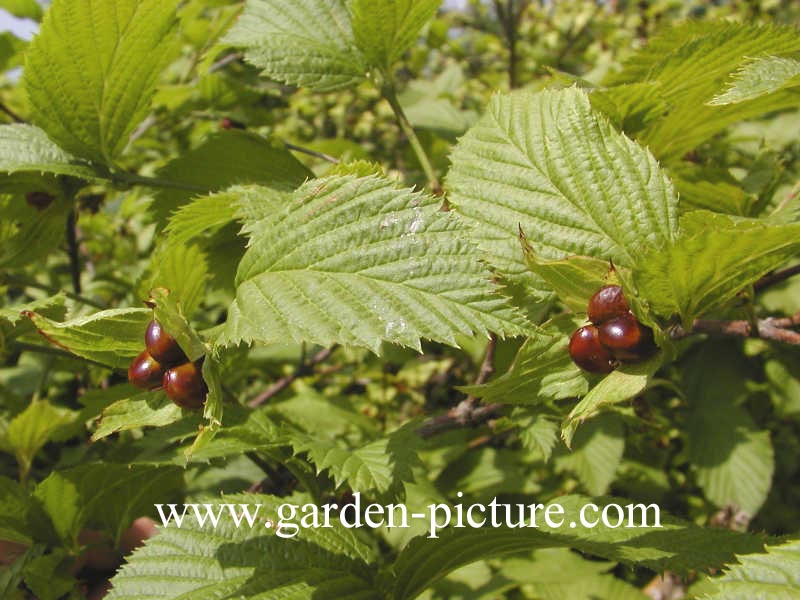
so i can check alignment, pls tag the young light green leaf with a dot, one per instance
(25, 148)
(620, 385)
(91, 71)
(25, 9)
(542, 370)
(146, 409)
(760, 77)
(360, 261)
(714, 259)
(545, 163)
(302, 42)
(677, 545)
(105, 495)
(384, 29)
(180, 268)
(225, 159)
(31, 429)
(771, 576)
(110, 337)
(596, 453)
(202, 216)
(14, 508)
(536, 430)
(248, 562)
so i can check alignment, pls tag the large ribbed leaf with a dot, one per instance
(544, 163)
(301, 42)
(760, 77)
(25, 148)
(91, 71)
(360, 261)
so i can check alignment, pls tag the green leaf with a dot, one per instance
(710, 188)
(381, 466)
(537, 431)
(544, 163)
(105, 496)
(91, 71)
(193, 561)
(620, 385)
(225, 159)
(760, 77)
(27, 234)
(771, 576)
(14, 508)
(677, 545)
(49, 577)
(182, 269)
(25, 148)
(110, 337)
(690, 64)
(734, 459)
(361, 261)
(713, 260)
(201, 216)
(25, 9)
(385, 29)
(31, 429)
(542, 370)
(307, 43)
(596, 453)
(146, 409)
(169, 313)
(51, 305)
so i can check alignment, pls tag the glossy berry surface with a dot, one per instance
(163, 346)
(145, 372)
(588, 353)
(185, 386)
(608, 302)
(626, 338)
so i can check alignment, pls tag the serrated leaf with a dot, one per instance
(31, 429)
(110, 337)
(733, 457)
(26, 148)
(381, 466)
(385, 29)
(91, 71)
(300, 42)
(537, 431)
(104, 495)
(709, 188)
(202, 216)
(630, 107)
(50, 306)
(248, 562)
(14, 507)
(542, 370)
(620, 385)
(146, 409)
(28, 234)
(760, 77)
(771, 576)
(596, 453)
(546, 164)
(225, 159)
(361, 261)
(690, 63)
(182, 269)
(677, 545)
(714, 259)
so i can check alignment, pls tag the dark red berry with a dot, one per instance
(163, 346)
(145, 372)
(587, 352)
(39, 200)
(228, 123)
(607, 303)
(626, 338)
(185, 386)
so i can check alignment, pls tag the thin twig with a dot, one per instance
(469, 412)
(774, 329)
(776, 277)
(15, 281)
(73, 251)
(306, 368)
(321, 155)
(14, 116)
(224, 62)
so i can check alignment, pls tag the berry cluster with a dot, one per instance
(164, 365)
(614, 335)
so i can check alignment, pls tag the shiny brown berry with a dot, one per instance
(228, 123)
(587, 352)
(607, 303)
(185, 386)
(163, 346)
(145, 371)
(626, 338)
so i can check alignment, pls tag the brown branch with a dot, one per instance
(305, 368)
(774, 329)
(310, 152)
(776, 277)
(469, 412)
(14, 116)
